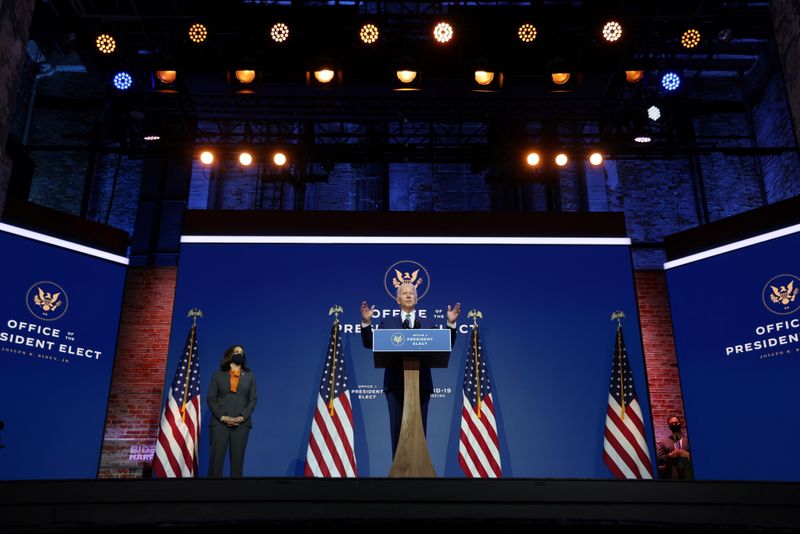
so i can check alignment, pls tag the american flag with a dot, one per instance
(625, 450)
(178, 436)
(478, 449)
(331, 451)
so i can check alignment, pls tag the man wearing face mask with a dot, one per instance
(232, 399)
(674, 455)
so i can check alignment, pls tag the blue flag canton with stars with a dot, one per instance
(180, 375)
(340, 385)
(470, 389)
(623, 380)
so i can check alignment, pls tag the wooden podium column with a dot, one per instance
(412, 458)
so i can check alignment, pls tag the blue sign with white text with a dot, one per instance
(545, 332)
(59, 316)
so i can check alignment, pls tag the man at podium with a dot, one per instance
(393, 377)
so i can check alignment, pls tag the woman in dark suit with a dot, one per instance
(232, 399)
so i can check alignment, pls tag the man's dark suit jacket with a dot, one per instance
(393, 376)
(223, 401)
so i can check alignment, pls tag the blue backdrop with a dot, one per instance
(546, 331)
(56, 355)
(740, 389)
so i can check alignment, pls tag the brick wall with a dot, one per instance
(137, 381)
(659, 349)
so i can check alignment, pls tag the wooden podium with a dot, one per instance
(411, 350)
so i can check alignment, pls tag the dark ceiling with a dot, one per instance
(362, 118)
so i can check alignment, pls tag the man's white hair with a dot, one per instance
(406, 284)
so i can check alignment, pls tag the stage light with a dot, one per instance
(634, 76)
(560, 78)
(612, 31)
(105, 43)
(324, 75)
(167, 77)
(279, 159)
(654, 113)
(279, 32)
(483, 77)
(690, 38)
(596, 158)
(406, 76)
(206, 157)
(369, 33)
(151, 137)
(527, 33)
(670, 81)
(561, 159)
(245, 158)
(642, 138)
(123, 81)
(198, 33)
(245, 76)
(443, 32)
(532, 159)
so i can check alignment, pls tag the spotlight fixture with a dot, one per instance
(561, 159)
(690, 38)
(634, 76)
(279, 32)
(245, 76)
(486, 77)
(279, 159)
(165, 78)
(612, 31)
(443, 32)
(642, 139)
(369, 33)
(532, 159)
(206, 157)
(324, 75)
(725, 35)
(527, 33)
(198, 33)
(122, 81)
(595, 158)
(105, 43)
(670, 81)
(483, 77)
(245, 158)
(407, 78)
(560, 78)
(653, 113)
(151, 137)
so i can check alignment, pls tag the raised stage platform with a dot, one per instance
(380, 503)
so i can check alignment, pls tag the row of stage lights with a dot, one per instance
(280, 159)
(369, 34)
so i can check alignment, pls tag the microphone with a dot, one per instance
(417, 324)
(405, 323)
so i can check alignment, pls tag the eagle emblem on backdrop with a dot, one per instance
(780, 294)
(47, 300)
(406, 272)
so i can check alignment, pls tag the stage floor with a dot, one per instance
(291, 503)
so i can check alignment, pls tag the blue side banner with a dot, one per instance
(546, 333)
(59, 316)
(737, 332)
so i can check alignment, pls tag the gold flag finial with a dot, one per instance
(618, 315)
(194, 313)
(474, 315)
(336, 309)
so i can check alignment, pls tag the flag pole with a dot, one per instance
(194, 313)
(335, 309)
(618, 315)
(475, 314)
